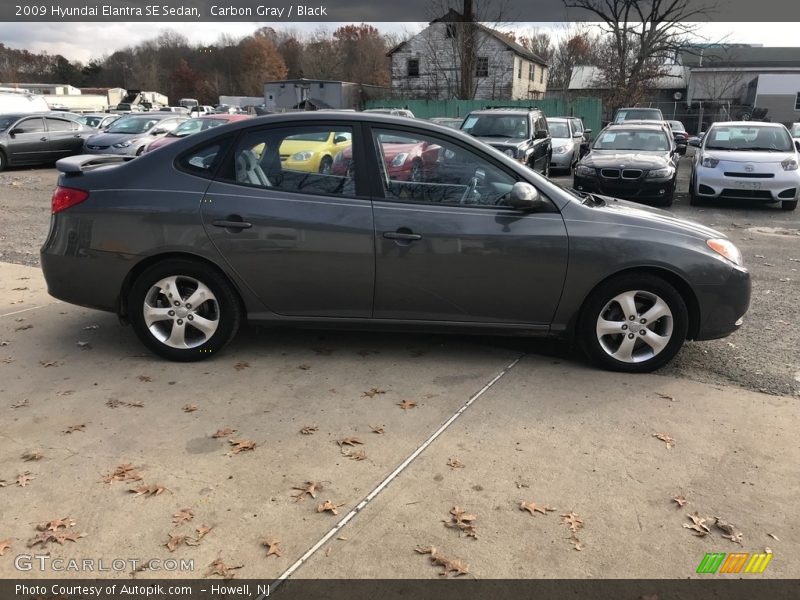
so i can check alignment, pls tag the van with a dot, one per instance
(22, 103)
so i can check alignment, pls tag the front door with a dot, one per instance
(287, 217)
(27, 141)
(447, 249)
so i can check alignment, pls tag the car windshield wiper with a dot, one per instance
(761, 149)
(718, 148)
(588, 198)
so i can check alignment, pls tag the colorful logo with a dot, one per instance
(736, 562)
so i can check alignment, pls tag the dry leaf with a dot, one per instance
(114, 403)
(24, 327)
(74, 428)
(665, 396)
(533, 508)
(323, 351)
(329, 507)
(220, 568)
(406, 404)
(7, 360)
(240, 366)
(680, 500)
(573, 521)
(698, 525)
(174, 541)
(84, 345)
(23, 479)
(124, 472)
(449, 565)
(187, 408)
(378, 428)
(241, 446)
(221, 433)
(355, 455)
(309, 487)
(304, 367)
(57, 530)
(349, 441)
(454, 463)
(731, 533)
(48, 363)
(182, 516)
(272, 547)
(665, 437)
(372, 392)
(32, 455)
(576, 543)
(202, 531)
(145, 378)
(773, 536)
(309, 429)
(148, 490)
(5, 545)
(21, 403)
(463, 521)
(56, 524)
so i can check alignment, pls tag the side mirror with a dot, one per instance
(695, 142)
(524, 196)
(340, 139)
(15, 131)
(540, 134)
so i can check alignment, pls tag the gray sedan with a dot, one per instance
(227, 225)
(129, 135)
(37, 138)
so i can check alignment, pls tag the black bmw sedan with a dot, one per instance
(188, 242)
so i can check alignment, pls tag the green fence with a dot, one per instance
(589, 109)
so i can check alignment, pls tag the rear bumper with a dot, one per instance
(722, 306)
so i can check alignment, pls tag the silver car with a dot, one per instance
(746, 160)
(130, 134)
(566, 143)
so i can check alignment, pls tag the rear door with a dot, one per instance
(27, 141)
(65, 137)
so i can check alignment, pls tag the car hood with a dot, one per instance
(743, 156)
(630, 160)
(499, 141)
(107, 139)
(160, 142)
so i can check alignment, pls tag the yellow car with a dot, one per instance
(313, 152)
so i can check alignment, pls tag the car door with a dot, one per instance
(27, 141)
(448, 250)
(301, 241)
(65, 137)
(541, 143)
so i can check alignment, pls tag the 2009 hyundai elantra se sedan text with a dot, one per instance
(191, 240)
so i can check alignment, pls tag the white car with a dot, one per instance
(201, 110)
(566, 144)
(746, 160)
(796, 131)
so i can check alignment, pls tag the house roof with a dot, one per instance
(739, 56)
(586, 78)
(453, 16)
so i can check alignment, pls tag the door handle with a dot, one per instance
(42, 139)
(231, 224)
(402, 235)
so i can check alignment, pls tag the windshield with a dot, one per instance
(796, 130)
(5, 122)
(677, 126)
(745, 137)
(195, 126)
(558, 130)
(503, 126)
(639, 114)
(629, 139)
(132, 125)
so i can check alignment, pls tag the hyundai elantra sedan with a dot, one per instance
(219, 228)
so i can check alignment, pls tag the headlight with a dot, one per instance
(790, 164)
(510, 152)
(584, 171)
(400, 159)
(302, 156)
(660, 173)
(560, 150)
(727, 249)
(124, 144)
(710, 162)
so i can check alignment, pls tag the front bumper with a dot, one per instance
(768, 184)
(634, 189)
(723, 305)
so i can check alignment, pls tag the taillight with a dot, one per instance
(64, 198)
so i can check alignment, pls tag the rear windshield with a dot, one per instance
(558, 129)
(628, 139)
(748, 138)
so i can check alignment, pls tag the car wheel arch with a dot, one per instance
(144, 264)
(674, 279)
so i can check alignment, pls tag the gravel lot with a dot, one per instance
(762, 356)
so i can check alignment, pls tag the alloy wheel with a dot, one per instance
(634, 326)
(181, 312)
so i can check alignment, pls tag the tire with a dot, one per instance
(694, 199)
(667, 200)
(325, 165)
(3, 160)
(602, 311)
(788, 204)
(140, 151)
(222, 312)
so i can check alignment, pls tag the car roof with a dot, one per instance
(557, 119)
(638, 125)
(747, 124)
(503, 110)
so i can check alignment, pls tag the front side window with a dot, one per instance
(795, 130)
(412, 67)
(35, 125)
(425, 169)
(303, 159)
(482, 66)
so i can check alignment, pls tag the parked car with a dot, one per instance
(397, 112)
(12, 103)
(181, 110)
(636, 160)
(313, 152)
(39, 138)
(679, 132)
(520, 133)
(404, 159)
(97, 120)
(129, 107)
(201, 110)
(452, 123)
(482, 244)
(566, 143)
(130, 134)
(746, 160)
(191, 127)
(224, 109)
(637, 113)
(796, 131)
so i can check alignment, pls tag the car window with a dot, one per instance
(304, 159)
(796, 130)
(203, 161)
(745, 138)
(629, 139)
(559, 129)
(427, 169)
(59, 124)
(494, 125)
(35, 125)
(577, 125)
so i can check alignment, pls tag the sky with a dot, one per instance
(84, 41)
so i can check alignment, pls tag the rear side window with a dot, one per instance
(60, 124)
(203, 161)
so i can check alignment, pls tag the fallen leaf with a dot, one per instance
(148, 490)
(56, 524)
(573, 521)
(406, 404)
(309, 429)
(240, 366)
(90, 327)
(309, 487)
(57, 530)
(372, 392)
(329, 507)
(84, 345)
(773, 536)
(145, 378)
(32, 455)
(174, 541)
(182, 516)
(65, 393)
(767, 550)
(665, 396)
(377, 428)
(533, 508)
(23, 479)
(731, 533)
(355, 455)
(202, 531)
(48, 363)
(5, 545)
(449, 565)
(241, 446)
(220, 568)
(272, 547)
(698, 525)
(187, 408)
(74, 428)
(24, 327)
(7, 360)
(454, 463)
(664, 437)
(114, 403)
(19, 289)
(463, 521)
(221, 433)
(680, 500)
(21, 403)
(576, 543)
(348, 441)
(304, 367)
(123, 472)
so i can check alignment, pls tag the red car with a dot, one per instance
(193, 126)
(405, 160)
(679, 132)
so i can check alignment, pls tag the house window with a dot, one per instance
(541, 75)
(412, 67)
(797, 101)
(531, 71)
(519, 70)
(482, 67)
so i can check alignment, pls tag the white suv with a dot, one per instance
(746, 160)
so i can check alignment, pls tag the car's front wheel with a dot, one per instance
(633, 323)
(183, 310)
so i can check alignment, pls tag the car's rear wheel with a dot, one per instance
(788, 204)
(633, 323)
(183, 310)
(3, 160)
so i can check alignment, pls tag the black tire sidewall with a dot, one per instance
(606, 291)
(3, 160)
(326, 160)
(230, 312)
